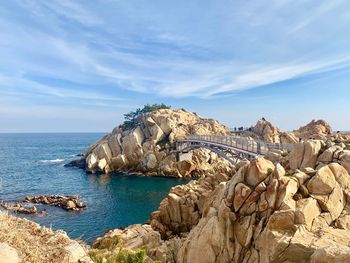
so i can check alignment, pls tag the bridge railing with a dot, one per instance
(243, 143)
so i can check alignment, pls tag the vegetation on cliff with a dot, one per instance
(131, 118)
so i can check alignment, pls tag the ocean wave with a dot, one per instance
(52, 161)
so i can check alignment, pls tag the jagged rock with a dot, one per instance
(328, 155)
(305, 154)
(261, 213)
(258, 170)
(314, 130)
(306, 211)
(323, 182)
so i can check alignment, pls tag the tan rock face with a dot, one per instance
(276, 220)
(316, 129)
(323, 182)
(261, 213)
(305, 154)
(258, 170)
(145, 148)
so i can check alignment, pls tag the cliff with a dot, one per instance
(266, 212)
(146, 147)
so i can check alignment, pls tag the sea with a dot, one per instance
(33, 164)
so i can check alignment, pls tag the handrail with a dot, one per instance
(243, 143)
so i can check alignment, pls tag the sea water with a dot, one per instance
(33, 164)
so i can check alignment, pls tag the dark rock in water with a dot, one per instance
(67, 202)
(19, 208)
(80, 163)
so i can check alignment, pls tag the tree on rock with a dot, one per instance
(131, 118)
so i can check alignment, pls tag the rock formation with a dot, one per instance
(314, 130)
(265, 212)
(146, 147)
(319, 129)
(269, 133)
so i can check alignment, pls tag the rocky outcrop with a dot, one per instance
(316, 129)
(147, 147)
(273, 218)
(67, 202)
(183, 207)
(265, 212)
(269, 133)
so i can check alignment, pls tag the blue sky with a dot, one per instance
(79, 65)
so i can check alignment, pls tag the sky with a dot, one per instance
(78, 66)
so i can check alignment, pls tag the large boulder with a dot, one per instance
(305, 154)
(258, 170)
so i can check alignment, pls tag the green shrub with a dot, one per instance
(120, 255)
(132, 118)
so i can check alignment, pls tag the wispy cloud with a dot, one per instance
(119, 52)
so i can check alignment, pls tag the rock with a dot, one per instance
(334, 203)
(345, 159)
(147, 147)
(314, 130)
(339, 254)
(305, 154)
(76, 254)
(279, 171)
(70, 205)
(267, 131)
(242, 192)
(8, 254)
(306, 211)
(258, 170)
(68, 202)
(328, 154)
(323, 182)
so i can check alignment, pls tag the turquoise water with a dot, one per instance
(33, 164)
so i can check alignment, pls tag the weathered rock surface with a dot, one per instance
(146, 148)
(267, 228)
(318, 130)
(259, 214)
(269, 133)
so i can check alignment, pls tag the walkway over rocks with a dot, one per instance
(231, 148)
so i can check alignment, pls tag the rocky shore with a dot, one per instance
(284, 207)
(265, 212)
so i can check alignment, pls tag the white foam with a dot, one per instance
(52, 161)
